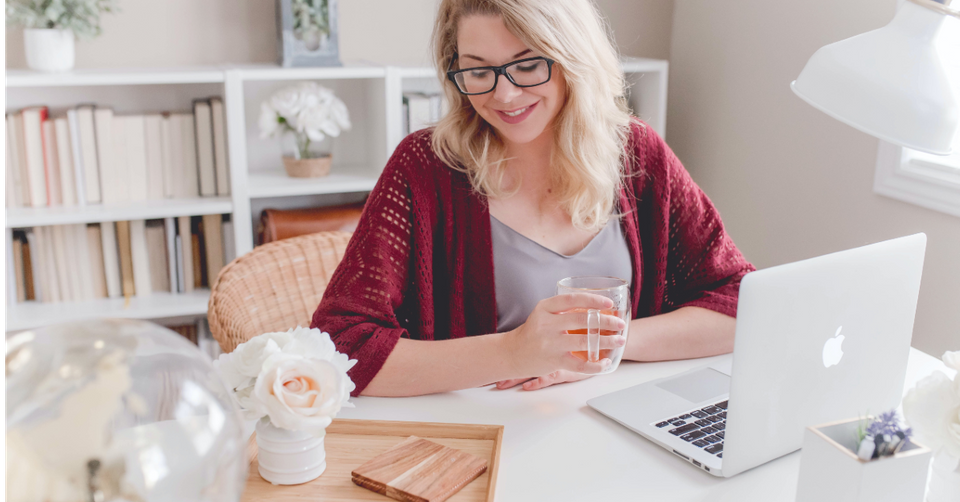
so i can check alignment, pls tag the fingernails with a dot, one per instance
(606, 363)
(608, 302)
(621, 341)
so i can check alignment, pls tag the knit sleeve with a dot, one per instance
(363, 303)
(703, 266)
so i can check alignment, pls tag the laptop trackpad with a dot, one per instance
(698, 386)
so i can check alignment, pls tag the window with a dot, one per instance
(930, 181)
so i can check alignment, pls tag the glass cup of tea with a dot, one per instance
(613, 288)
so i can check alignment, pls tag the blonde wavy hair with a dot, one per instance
(591, 128)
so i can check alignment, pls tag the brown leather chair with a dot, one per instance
(275, 287)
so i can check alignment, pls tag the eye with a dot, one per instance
(528, 68)
(479, 73)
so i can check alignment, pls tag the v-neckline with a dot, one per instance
(575, 255)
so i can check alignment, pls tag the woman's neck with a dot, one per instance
(530, 164)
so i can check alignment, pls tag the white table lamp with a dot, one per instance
(891, 82)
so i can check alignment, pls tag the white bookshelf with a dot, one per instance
(372, 93)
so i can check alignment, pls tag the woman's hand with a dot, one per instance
(542, 346)
(561, 376)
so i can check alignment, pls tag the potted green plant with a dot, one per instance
(51, 25)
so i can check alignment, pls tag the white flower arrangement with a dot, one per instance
(932, 409)
(308, 110)
(82, 17)
(297, 379)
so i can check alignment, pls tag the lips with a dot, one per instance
(517, 115)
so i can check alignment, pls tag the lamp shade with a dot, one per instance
(890, 83)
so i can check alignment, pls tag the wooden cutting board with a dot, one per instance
(418, 470)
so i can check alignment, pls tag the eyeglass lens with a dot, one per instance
(525, 73)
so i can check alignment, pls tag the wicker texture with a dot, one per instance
(275, 287)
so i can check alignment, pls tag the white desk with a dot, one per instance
(556, 448)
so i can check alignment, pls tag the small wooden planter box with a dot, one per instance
(830, 470)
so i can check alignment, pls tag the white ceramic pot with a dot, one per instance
(944, 479)
(49, 50)
(288, 457)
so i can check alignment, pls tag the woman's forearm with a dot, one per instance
(417, 367)
(685, 333)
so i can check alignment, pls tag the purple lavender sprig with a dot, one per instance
(888, 423)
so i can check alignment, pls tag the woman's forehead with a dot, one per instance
(485, 39)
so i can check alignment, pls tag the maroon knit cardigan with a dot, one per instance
(420, 264)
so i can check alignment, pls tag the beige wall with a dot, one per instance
(789, 181)
(192, 32)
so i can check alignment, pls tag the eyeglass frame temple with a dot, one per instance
(499, 70)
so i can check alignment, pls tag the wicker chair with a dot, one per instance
(275, 287)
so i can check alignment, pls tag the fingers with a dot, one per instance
(506, 384)
(581, 342)
(554, 378)
(607, 322)
(573, 363)
(566, 302)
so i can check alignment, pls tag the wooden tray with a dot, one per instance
(350, 443)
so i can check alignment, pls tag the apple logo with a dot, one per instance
(832, 351)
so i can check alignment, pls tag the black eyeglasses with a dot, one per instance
(529, 72)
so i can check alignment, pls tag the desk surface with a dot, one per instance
(557, 448)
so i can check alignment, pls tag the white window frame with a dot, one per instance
(924, 180)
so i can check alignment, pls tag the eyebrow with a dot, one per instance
(515, 56)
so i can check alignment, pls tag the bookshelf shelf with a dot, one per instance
(119, 76)
(158, 305)
(277, 184)
(22, 217)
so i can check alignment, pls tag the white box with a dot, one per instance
(830, 471)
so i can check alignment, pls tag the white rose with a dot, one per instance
(932, 409)
(268, 121)
(301, 394)
(250, 407)
(288, 102)
(952, 360)
(313, 343)
(231, 375)
(249, 356)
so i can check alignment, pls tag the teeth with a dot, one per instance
(518, 112)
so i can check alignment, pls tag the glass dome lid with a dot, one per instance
(118, 410)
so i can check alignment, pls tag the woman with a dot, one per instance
(538, 155)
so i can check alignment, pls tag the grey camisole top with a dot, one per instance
(526, 272)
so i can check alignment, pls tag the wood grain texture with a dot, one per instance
(350, 443)
(419, 470)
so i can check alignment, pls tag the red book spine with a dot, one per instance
(44, 113)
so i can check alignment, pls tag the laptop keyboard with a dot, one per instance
(703, 427)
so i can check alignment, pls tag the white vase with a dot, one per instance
(944, 485)
(288, 457)
(49, 50)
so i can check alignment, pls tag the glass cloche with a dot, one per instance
(118, 410)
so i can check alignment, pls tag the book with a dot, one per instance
(116, 184)
(126, 259)
(72, 262)
(110, 181)
(186, 254)
(220, 146)
(197, 254)
(59, 245)
(68, 187)
(181, 276)
(95, 249)
(18, 269)
(79, 177)
(153, 144)
(51, 285)
(229, 241)
(213, 245)
(88, 144)
(157, 255)
(190, 176)
(51, 163)
(21, 175)
(171, 139)
(81, 261)
(419, 469)
(12, 197)
(111, 258)
(28, 268)
(170, 229)
(33, 152)
(141, 261)
(134, 126)
(203, 123)
(36, 260)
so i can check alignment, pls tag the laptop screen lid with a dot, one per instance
(819, 340)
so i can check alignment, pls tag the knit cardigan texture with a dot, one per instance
(420, 264)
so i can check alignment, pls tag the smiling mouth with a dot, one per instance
(516, 112)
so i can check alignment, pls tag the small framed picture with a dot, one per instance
(308, 33)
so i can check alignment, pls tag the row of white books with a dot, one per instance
(421, 110)
(83, 262)
(92, 156)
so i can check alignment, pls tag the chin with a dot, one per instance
(519, 135)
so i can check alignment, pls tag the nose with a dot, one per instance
(506, 91)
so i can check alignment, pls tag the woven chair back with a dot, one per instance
(275, 287)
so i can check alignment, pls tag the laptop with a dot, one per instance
(818, 340)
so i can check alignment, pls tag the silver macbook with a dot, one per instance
(817, 341)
